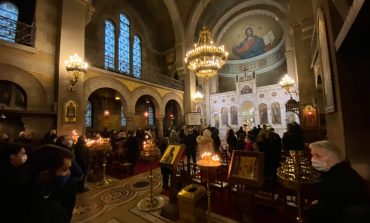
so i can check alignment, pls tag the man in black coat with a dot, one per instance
(190, 147)
(132, 146)
(49, 170)
(341, 188)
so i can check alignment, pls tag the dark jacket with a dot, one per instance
(43, 208)
(341, 187)
(11, 189)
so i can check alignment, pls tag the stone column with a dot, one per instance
(160, 125)
(130, 121)
(74, 17)
(289, 54)
(207, 113)
(189, 82)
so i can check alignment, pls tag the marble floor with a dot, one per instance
(117, 202)
(113, 203)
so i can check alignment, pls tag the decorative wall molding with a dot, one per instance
(46, 79)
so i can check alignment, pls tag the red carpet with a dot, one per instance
(141, 167)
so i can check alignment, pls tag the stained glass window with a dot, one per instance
(150, 116)
(123, 117)
(109, 45)
(124, 45)
(137, 57)
(8, 21)
(88, 121)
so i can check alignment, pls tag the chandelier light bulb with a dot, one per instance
(206, 58)
(75, 63)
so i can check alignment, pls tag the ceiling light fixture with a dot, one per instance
(206, 58)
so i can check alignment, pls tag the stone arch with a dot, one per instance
(143, 90)
(193, 21)
(178, 28)
(172, 96)
(36, 94)
(94, 84)
(177, 24)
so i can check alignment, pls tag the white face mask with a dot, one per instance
(320, 165)
(24, 158)
(70, 143)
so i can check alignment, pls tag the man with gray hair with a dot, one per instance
(341, 188)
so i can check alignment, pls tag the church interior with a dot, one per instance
(186, 110)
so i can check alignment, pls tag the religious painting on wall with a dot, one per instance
(252, 35)
(216, 120)
(224, 117)
(234, 115)
(253, 45)
(247, 113)
(246, 168)
(263, 113)
(323, 51)
(172, 155)
(70, 110)
(310, 119)
(275, 113)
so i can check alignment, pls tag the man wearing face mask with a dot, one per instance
(48, 172)
(342, 191)
(12, 156)
(67, 195)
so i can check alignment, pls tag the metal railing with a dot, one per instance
(150, 76)
(17, 32)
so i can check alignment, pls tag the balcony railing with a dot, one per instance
(17, 32)
(150, 76)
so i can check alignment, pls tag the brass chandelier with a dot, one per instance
(206, 58)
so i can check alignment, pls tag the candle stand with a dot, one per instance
(151, 202)
(208, 167)
(296, 173)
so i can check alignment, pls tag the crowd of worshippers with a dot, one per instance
(41, 182)
(343, 194)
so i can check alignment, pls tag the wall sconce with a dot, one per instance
(288, 83)
(198, 96)
(76, 67)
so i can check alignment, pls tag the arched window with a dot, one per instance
(136, 57)
(88, 121)
(150, 116)
(124, 45)
(8, 21)
(123, 117)
(109, 45)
